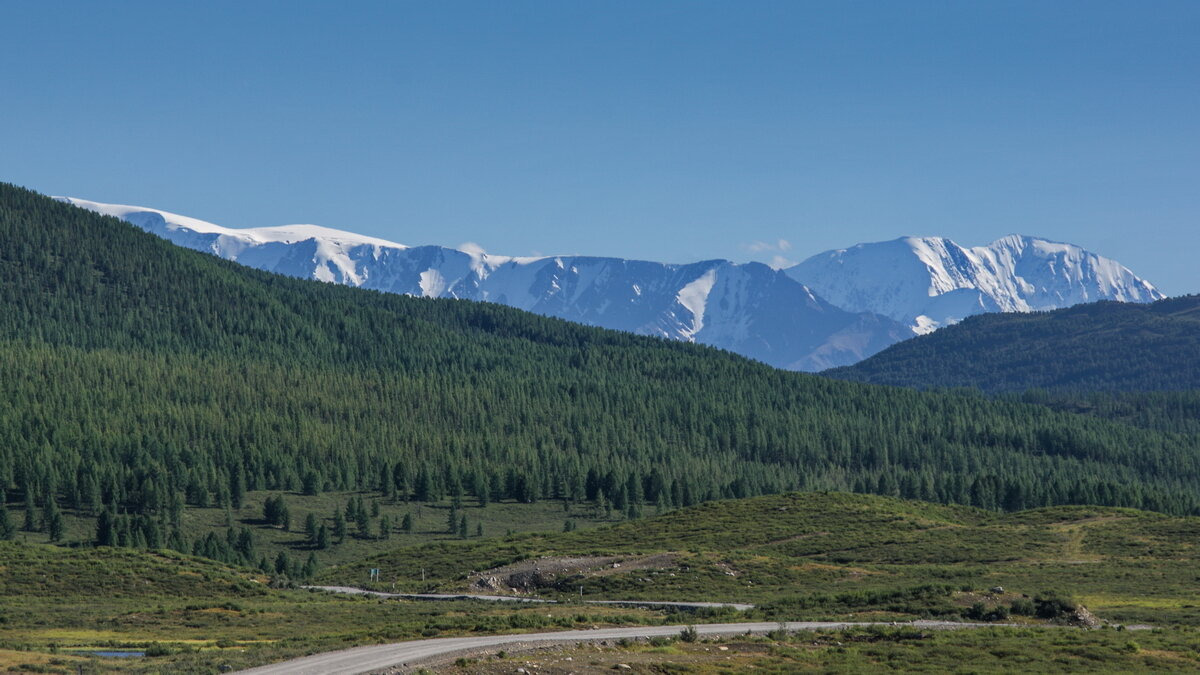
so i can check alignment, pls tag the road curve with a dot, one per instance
(407, 656)
(739, 606)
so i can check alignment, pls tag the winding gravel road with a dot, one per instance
(403, 657)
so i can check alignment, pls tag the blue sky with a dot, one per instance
(658, 130)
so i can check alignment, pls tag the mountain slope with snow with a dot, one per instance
(748, 308)
(929, 282)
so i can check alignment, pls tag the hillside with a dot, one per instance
(59, 607)
(750, 308)
(812, 555)
(139, 379)
(833, 309)
(1104, 346)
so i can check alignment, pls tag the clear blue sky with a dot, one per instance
(659, 130)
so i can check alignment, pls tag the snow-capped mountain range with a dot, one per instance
(929, 282)
(833, 309)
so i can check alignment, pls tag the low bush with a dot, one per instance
(1051, 605)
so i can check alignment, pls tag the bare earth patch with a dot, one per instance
(529, 575)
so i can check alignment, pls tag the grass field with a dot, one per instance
(195, 616)
(798, 556)
(429, 523)
(902, 650)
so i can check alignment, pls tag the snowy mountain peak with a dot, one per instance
(833, 309)
(751, 309)
(927, 282)
(285, 234)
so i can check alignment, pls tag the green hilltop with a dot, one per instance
(1102, 347)
(140, 382)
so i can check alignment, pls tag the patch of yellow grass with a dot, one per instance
(12, 660)
(1093, 601)
(219, 610)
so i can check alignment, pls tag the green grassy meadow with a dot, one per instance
(793, 553)
(797, 556)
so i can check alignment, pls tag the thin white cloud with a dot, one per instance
(764, 246)
(779, 262)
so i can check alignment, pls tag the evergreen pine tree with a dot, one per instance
(339, 526)
(237, 487)
(310, 528)
(362, 522)
(30, 520)
(106, 534)
(7, 529)
(312, 483)
(54, 524)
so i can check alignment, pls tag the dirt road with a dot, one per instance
(404, 657)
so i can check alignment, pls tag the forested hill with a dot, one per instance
(1104, 346)
(137, 377)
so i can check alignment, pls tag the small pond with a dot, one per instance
(110, 653)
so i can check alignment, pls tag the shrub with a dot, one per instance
(158, 649)
(689, 634)
(1023, 607)
(1054, 606)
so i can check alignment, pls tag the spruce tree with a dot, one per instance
(362, 522)
(310, 528)
(237, 487)
(7, 529)
(53, 519)
(339, 526)
(106, 531)
(30, 519)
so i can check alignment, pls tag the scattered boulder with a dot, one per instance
(1083, 618)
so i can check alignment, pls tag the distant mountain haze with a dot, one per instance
(833, 309)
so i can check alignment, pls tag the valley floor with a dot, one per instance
(868, 650)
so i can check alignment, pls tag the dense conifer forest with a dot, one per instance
(1098, 347)
(138, 379)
